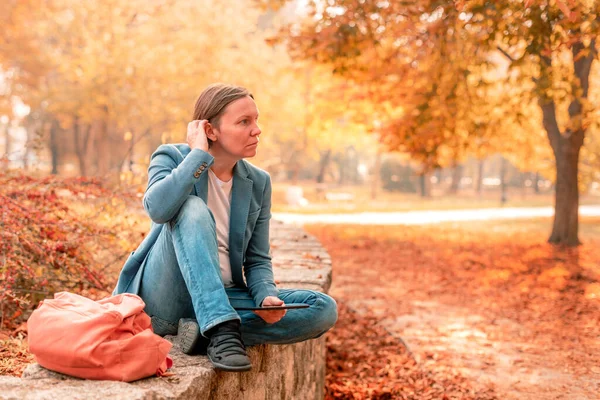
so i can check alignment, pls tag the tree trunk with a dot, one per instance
(423, 186)
(503, 197)
(81, 138)
(479, 183)
(131, 151)
(27, 150)
(54, 147)
(323, 163)
(130, 155)
(103, 150)
(566, 204)
(456, 177)
(376, 182)
(566, 147)
(341, 162)
(523, 182)
(536, 183)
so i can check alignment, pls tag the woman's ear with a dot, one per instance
(210, 132)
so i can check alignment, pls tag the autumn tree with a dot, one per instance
(553, 46)
(435, 63)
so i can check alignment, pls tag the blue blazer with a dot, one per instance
(176, 171)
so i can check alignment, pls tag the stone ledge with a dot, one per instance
(279, 372)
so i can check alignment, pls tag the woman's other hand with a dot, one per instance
(196, 135)
(270, 317)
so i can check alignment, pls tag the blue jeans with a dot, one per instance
(182, 279)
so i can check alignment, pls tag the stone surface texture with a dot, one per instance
(279, 372)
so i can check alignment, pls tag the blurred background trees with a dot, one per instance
(431, 98)
(461, 75)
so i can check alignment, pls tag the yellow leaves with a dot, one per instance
(128, 136)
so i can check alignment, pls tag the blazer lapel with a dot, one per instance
(241, 194)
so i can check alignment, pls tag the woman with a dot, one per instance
(210, 211)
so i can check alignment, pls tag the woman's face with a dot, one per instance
(238, 131)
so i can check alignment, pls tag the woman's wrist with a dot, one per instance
(201, 147)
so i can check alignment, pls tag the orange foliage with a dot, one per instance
(48, 244)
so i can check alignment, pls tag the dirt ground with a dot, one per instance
(500, 308)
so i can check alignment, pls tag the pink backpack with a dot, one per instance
(109, 339)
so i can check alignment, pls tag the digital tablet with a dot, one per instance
(273, 308)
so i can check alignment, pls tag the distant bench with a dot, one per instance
(339, 196)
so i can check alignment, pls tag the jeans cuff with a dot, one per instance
(217, 321)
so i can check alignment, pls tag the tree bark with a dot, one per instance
(130, 155)
(456, 177)
(566, 215)
(323, 163)
(503, 195)
(523, 182)
(103, 149)
(423, 186)
(27, 150)
(479, 183)
(376, 182)
(536, 183)
(340, 160)
(54, 147)
(81, 138)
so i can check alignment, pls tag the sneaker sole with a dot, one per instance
(229, 368)
(188, 334)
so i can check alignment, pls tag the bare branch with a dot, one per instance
(550, 125)
(501, 50)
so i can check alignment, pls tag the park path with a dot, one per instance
(499, 351)
(423, 217)
(503, 309)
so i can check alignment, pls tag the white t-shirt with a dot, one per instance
(219, 202)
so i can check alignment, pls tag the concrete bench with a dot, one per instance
(331, 196)
(279, 372)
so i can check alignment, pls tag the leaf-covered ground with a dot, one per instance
(487, 311)
(457, 311)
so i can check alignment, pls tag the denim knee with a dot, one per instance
(328, 314)
(194, 212)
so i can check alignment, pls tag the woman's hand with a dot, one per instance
(270, 317)
(196, 135)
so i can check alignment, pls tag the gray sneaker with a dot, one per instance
(189, 338)
(226, 350)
